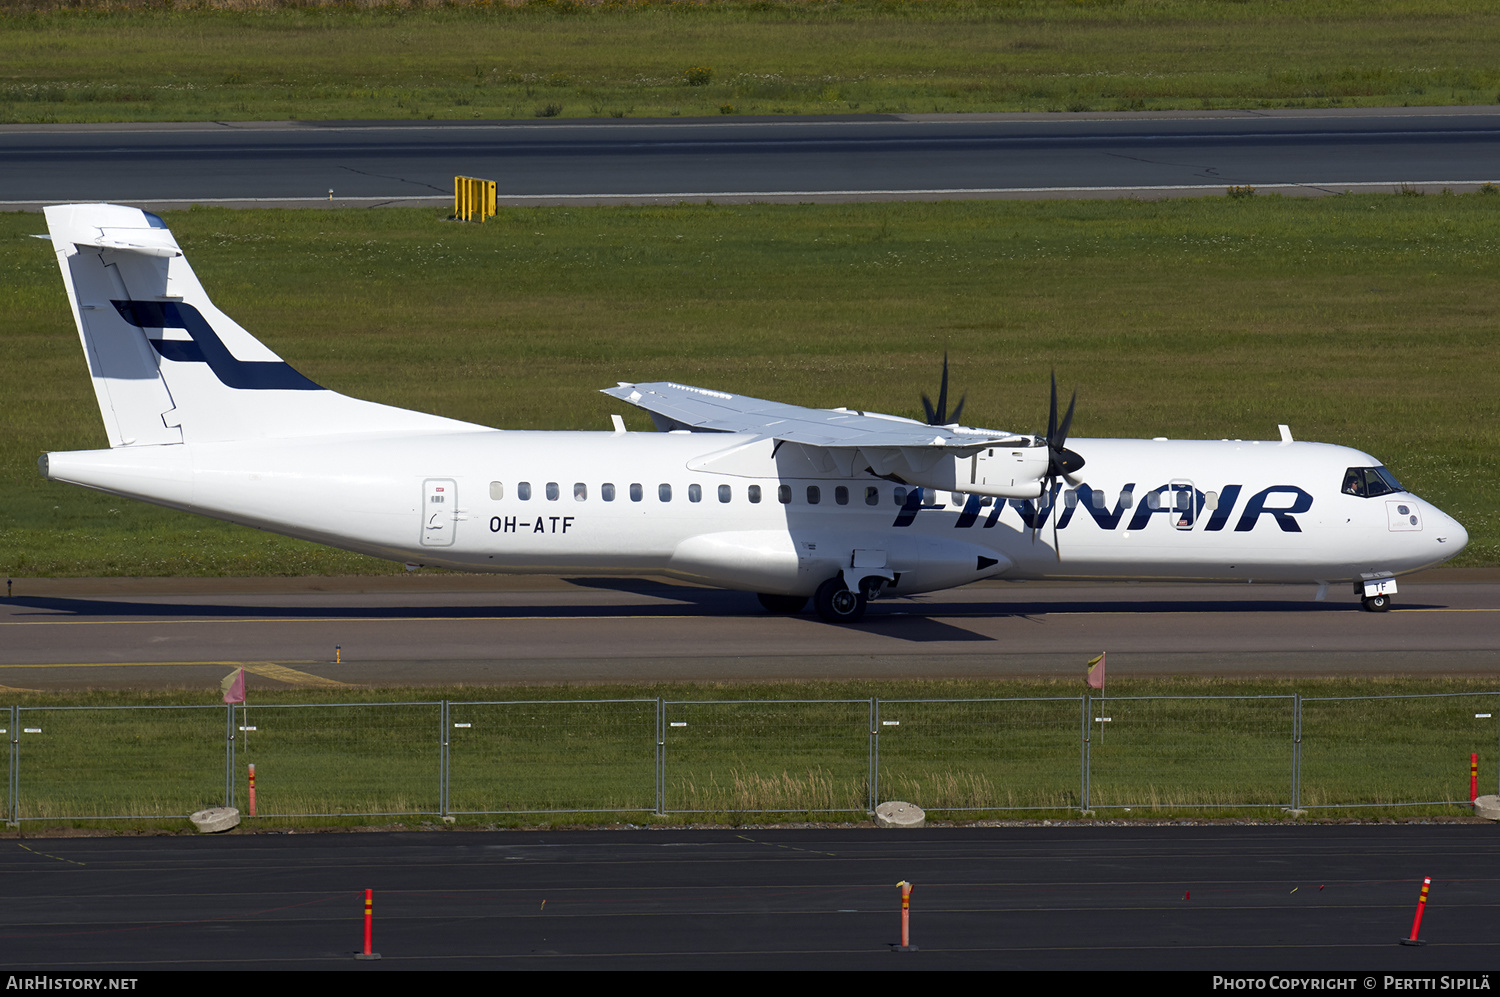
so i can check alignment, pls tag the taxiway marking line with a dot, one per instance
(247, 665)
(291, 676)
(981, 614)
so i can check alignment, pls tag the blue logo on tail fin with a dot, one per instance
(206, 347)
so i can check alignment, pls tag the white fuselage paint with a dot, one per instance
(375, 494)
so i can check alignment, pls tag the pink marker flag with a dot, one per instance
(1096, 673)
(234, 686)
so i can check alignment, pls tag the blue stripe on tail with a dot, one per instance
(206, 347)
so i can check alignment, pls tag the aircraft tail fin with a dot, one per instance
(167, 365)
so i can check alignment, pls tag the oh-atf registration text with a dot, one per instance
(1387, 982)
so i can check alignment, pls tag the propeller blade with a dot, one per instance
(1062, 431)
(937, 415)
(942, 405)
(1052, 412)
(1056, 548)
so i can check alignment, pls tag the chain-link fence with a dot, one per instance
(654, 756)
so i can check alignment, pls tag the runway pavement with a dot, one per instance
(1209, 899)
(823, 158)
(435, 630)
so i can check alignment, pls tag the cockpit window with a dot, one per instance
(1367, 482)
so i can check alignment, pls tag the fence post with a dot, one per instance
(1085, 757)
(229, 755)
(15, 766)
(443, 733)
(661, 758)
(1296, 751)
(874, 754)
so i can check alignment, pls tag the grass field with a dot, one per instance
(267, 60)
(1361, 319)
(732, 752)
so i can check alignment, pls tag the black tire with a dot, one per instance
(782, 603)
(837, 604)
(1378, 603)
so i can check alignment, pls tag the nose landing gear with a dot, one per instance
(1375, 594)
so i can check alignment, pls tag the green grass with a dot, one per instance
(734, 752)
(1367, 320)
(207, 61)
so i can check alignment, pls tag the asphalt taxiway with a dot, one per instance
(433, 630)
(1065, 897)
(736, 159)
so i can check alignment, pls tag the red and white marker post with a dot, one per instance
(369, 917)
(1416, 922)
(1473, 777)
(252, 789)
(906, 945)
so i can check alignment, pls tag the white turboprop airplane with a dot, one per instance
(783, 501)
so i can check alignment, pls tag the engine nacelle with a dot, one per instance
(1001, 472)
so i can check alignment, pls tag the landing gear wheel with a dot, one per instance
(782, 603)
(1378, 603)
(836, 604)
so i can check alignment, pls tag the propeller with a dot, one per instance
(939, 416)
(1061, 462)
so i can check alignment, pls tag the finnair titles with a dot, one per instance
(837, 505)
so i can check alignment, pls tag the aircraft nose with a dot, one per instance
(1450, 534)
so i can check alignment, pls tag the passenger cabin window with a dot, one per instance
(899, 495)
(784, 494)
(754, 493)
(814, 496)
(497, 491)
(1367, 482)
(872, 495)
(841, 495)
(607, 492)
(695, 493)
(636, 493)
(725, 493)
(523, 491)
(664, 492)
(552, 491)
(580, 491)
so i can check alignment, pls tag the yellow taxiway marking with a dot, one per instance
(334, 619)
(291, 676)
(265, 669)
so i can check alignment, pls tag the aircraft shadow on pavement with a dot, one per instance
(685, 601)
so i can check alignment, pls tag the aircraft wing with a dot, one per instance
(681, 406)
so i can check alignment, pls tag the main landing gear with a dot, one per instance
(837, 604)
(1377, 603)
